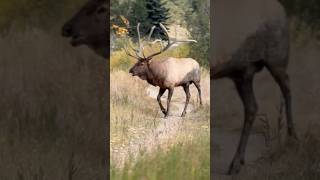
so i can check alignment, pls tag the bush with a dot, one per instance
(44, 14)
(306, 11)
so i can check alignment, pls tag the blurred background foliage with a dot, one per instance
(306, 12)
(44, 14)
(192, 15)
(51, 105)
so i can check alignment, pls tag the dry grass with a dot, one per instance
(296, 161)
(51, 124)
(132, 114)
(136, 116)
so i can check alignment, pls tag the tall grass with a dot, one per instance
(189, 160)
(51, 108)
(186, 157)
(135, 115)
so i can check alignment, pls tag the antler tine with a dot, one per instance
(175, 41)
(129, 54)
(136, 51)
(165, 31)
(151, 31)
(139, 38)
(155, 41)
(169, 42)
(167, 46)
(188, 40)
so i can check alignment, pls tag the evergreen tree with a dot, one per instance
(157, 13)
(138, 14)
(306, 11)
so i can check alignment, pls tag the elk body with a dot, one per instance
(89, 26)
(168, 73)
(250, 35)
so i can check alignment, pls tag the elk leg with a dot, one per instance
(168, 102)
(197, 84)
(187, 91)
(282, 78)
(222, 70)
(245, 90)
(161, 92)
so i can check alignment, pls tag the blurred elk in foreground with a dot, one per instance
(167, 73)
(90, 26)
(248, 36)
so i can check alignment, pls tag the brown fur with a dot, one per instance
(249, 35)
(89, 26)
(169, 73)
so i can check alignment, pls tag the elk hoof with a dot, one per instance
(293, 135)
(235, 167)
(164, 111)
(242, 162)
(183, 114)
(166, 115)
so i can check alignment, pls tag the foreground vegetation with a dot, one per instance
(294, 160)
(135, 116)
(186, 160)
(51, 108)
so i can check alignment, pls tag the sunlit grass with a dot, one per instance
(135, 115)
(189, 160)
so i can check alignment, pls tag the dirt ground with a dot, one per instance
(164, 132)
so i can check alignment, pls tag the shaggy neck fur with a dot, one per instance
(150, 77)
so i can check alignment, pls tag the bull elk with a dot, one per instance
(167, 73)
(255, 35)
(90, 26)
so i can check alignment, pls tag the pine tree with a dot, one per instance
(157, 13)
(138, 14)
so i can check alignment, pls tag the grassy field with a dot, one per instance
(185, 160)
(138, 149)
(51, 124)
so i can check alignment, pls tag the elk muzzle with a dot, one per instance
(67, 30)
(131, 72)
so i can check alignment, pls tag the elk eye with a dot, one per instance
(101, 10)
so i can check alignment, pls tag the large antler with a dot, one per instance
(139, 54)
(170, 43)
(138, 51)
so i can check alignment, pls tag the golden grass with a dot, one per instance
(135, 115)
(51, 113)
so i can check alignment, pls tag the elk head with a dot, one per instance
(141, 67)
(89, 27)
